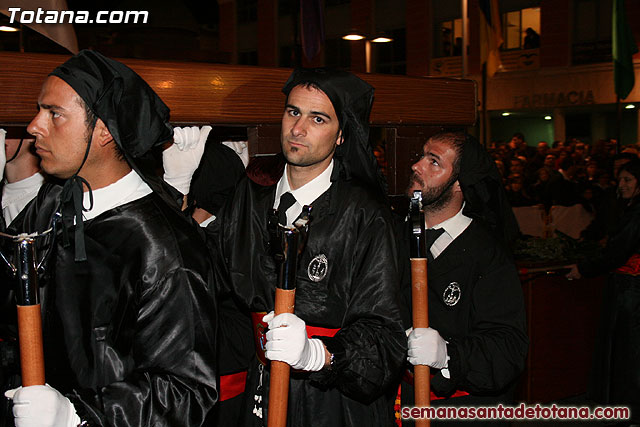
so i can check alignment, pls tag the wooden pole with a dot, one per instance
(419, 300)
(292, 242)
(31, 350)
(29, 316)
(279, 379)
(420, 306)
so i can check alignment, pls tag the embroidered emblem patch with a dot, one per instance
(452, 294)
(318, 268)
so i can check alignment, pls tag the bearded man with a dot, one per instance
(476, 344)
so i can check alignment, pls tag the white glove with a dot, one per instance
(427, 347)
(287, 342)
(3, 154)
(42, 406)
(181, 160)
(240, 147)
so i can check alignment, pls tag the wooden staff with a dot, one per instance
(29, 317)
(419, 299)
(285, 303)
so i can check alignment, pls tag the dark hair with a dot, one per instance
(456, 141)
(90, 120)
(633, 167)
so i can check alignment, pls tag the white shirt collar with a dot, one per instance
(304, 195)
(127, 189)
(453, 227)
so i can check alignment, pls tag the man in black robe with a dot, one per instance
(476, 344)
(345, 341)
(128, 312)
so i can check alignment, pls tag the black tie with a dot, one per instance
(286, 201)
(431, 235)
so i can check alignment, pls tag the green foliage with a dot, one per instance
(560, 248)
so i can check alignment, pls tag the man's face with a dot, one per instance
(516, 166)
(432, 174)
(310, 128)
(550, 161)
(60, 129)
(515, 142)
(543, 147)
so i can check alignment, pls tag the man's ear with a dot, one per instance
(456, 187)
(339, 138)
(101, 133)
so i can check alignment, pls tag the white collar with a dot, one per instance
(127, 189)
(455, 225)
(309, 192)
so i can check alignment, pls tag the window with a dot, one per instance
(592, 31)
(449, 38)
(521, 29)
(447, 28)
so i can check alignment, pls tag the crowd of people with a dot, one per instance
(158, 290)
(564, 174)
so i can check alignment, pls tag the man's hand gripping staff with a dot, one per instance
(53, 408)
(287, 342)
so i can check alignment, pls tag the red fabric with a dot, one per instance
(408, 377)
(632, 266)
(232, 385)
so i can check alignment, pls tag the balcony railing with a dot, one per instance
(512, 60)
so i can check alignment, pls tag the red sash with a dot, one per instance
(232, 385)
(408, 377)
(631, 267)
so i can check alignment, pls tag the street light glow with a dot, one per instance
(353, 37)
(381, 40)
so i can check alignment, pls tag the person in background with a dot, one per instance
(614, 376)
(22, 176)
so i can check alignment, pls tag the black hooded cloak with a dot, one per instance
(351, 229)
(129, 331)
(475, 297)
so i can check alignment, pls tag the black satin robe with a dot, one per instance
(615, 373)
(485, 329)
(359, 295)
(129, 335)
